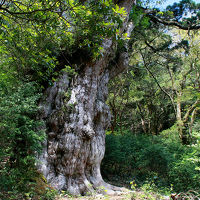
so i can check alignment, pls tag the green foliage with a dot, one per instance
(34, 35)
(138, 103)
(159, 161)
(181, 9)
(35, 188)
(196, 132)
(162, 79)
(132, 155)
(148, 191)
(32, 41)
(184, 173)
(70, 71)
(20, 135)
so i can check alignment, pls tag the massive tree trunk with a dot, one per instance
(76, 119)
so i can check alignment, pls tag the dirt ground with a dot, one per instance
(139, 195)
(123, 196)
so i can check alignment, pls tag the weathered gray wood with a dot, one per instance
(76, 118)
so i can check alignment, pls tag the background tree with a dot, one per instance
(161, 68)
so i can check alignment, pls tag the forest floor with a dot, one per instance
(126, 196)
(137, 195)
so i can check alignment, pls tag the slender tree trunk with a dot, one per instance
(76, 119)
(143, 123)
(193, 119)
(179, 117)
(185, 123)
(182, 129)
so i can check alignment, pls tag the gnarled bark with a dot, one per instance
(76, 119)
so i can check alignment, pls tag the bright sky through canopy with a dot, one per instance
(171, 2)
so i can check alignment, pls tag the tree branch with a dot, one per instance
(186, 117)
(165, 92)
(27, 12)
(173, 23)
(152, 15)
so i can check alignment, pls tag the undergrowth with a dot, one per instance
(21, 135)
(156, 163)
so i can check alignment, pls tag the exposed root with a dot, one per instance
(111, 190)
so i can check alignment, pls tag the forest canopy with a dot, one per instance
(71, 70)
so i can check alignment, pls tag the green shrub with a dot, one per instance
(20, 137)
(156, 159)
(184, 173)
(136, 156)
